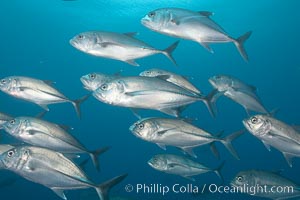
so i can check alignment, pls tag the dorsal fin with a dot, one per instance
(206, 13)
(131, 34)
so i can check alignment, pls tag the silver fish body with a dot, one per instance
(237, 91)
(45, 134)
(179, 165)
(178, 133)
(275, 133)
(51, 169)
(269, 181)
(123, 47)
(146, 93)
(190, 25)
(35, 91)
(172, 78)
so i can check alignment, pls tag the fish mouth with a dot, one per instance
(150, 163)
(132, 129)
(247, 125)
(85, 82)
(146, 21)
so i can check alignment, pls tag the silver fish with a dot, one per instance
(178, 133)
(182, 166)
(147, 93)
(172, 78)
(93, 81)
(190, 25)
(36, 91)
(268, 183)
(45, 134)
(4, 118)
(275, 133)
(237, 91)
(123, 47)
(52, 170)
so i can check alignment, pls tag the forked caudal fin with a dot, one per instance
(239, 43)
(95, 154)
(103, 189)
(227, 142)
(168, 51)
(210, 100)
(76, 103)
(218, 171)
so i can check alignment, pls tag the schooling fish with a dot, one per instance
(175, 132)
(52, 170)
(36, 91)
(275, 133)
(123, 47)
(237, 91)
(147, 93)
(182, 166)
(266, 184)
(191, 25)
(42, 133)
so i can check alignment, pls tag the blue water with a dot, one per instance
(35, 42)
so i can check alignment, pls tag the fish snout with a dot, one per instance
(146, 21)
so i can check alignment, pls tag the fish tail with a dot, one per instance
(95, 154)
(218, 171)
(76, 103)
(239, 43)
(210, 100)
(227, 142)
(168, 51)
(103, 189)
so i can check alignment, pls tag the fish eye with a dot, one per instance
(104, 87)
(141, 126)
(80, 36)
(3, 81)
(148, 72)
(254, 120)
(239, 178)
(12, 121)
(92, 76)
(10, 153)
(151, 14)
(218, 77)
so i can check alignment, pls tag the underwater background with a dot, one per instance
(35, 38)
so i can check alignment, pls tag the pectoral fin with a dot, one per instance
(162, 146)
(288, 157)
(163, 77)
(206, 46)
(189, 151)
(59, 193)
(206, 13)
(44, 106)
(131, 34)
(132, 62)
(266, 145)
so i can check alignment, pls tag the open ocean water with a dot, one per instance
(35, 38)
